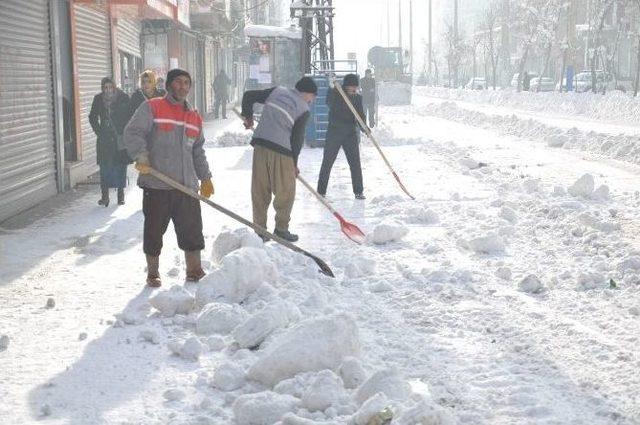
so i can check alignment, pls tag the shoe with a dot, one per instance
(104, 202)
(194, 266)
(264, 238)
(286, 235)
(153, 274)
(360, 196)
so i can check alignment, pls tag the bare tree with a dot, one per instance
(454, 54)
(489, 27)
(598, 10)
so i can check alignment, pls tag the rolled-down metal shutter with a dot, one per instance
(93, 43)
(128, 36)
(27, 147)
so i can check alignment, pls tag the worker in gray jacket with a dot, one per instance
(277, 142)
(166, 134)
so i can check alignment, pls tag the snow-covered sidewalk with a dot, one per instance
(506, 294)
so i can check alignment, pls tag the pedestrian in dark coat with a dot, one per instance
(221, 94)
(369, 97)
(108, 117)
(343, 133)
(148, 90)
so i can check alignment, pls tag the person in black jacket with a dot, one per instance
(369, 97)
(343, 133)
(221, 94)
(108, 117)
(148, 90)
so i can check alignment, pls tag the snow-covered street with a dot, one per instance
(508, 292)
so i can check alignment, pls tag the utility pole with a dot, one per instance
(411, 36)
(430, 47)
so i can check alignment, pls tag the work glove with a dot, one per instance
(206, 188)
(142, 164)
(248, 123)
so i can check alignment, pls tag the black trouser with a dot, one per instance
(370, 113)
(161, 206)
(220, 101)
(348, 141)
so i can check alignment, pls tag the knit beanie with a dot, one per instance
(175, 73)
(307, 85)
(351, 80)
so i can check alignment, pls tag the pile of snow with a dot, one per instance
(388, 382)
(531, 284)
(325, 391)
(489, 244)
(240, 274)
(230, 240)
(252, 332)
(176, 300)
(351, 372)
(312, 345)
(264, 408)
(232, 138)
(359, 266)
(583, 187)
(219, 318)
(385, 136)
(421, 215)
(191, 349)
(228, 377)
(388, 231)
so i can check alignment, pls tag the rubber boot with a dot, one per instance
(153, 271)
(120, 196)
(194, 266)
(104, 200)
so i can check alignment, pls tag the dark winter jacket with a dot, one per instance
(368, 86)
(221, 86)
(341, 119)
(108, 124)
(139, 97)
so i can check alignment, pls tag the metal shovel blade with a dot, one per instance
(350, 230)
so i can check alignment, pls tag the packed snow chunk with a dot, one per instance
(359, 266)
(149, 336)
(325, 391)
(489, 244)
(264, 408)
(374, 407)
(191, 349)
(629, 264)
(176, 300)
(174, 395)
(583, 187)
(254, 330)
(4, 342)
(228, 241)
(388, 231)
(504, 273)
(352, 373)
(219, 318)
(588, 281)
(425, 413)
(634, 311)
(469, 163)
(240, 274)
(602, 193)
(215, 343)
(509, 215)
(293, 419)
(232, 138)
(531, 284)
(421, 215)
(228, 377)
(386, 381)
(312, 345)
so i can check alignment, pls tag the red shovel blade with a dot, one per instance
(352, 231)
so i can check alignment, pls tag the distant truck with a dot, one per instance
(394, 82)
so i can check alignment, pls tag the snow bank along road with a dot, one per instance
(506, 294)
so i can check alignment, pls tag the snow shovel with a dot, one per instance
(324, 268)
(367, 131)
(352, 231)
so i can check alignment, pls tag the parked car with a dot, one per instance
(584, 82)
(514, 80)
(477, 83)
(542, 84)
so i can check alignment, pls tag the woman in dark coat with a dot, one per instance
(108, 117)
(148, 90)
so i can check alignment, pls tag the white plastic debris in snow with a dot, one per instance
(386, 381)
(219, 318)
(254, 330)
(240, 274)
(326, 390)
(583, 187)
(314, 344)
(531, 284)
(388, 231)
(264, 408)
(176, 300)
(228, 377)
